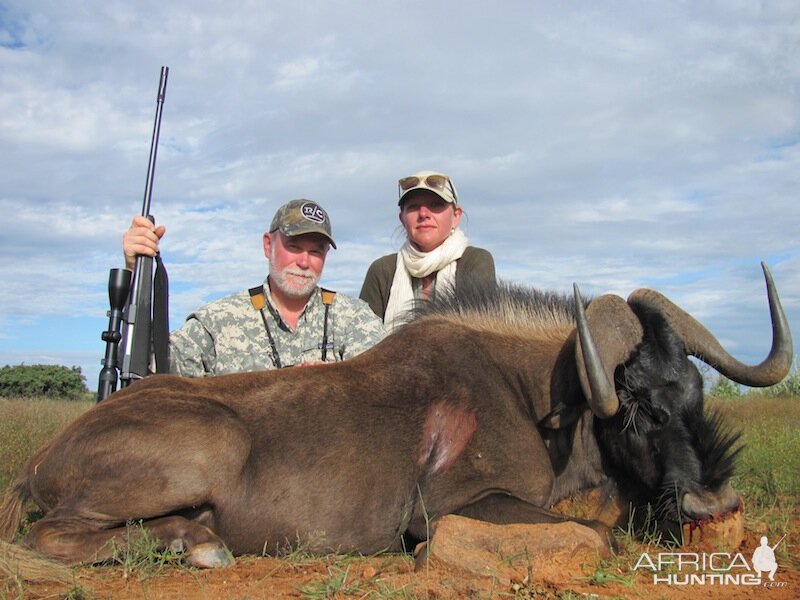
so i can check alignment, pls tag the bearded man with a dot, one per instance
(286, 321)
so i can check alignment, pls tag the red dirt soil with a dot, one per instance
(394, 576)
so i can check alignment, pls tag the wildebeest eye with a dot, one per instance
(660, 416)
(643, 416)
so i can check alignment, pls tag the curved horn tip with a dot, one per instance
(576, 292)
(767, 273)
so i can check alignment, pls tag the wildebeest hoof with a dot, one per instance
(420, 548)
(209, 556)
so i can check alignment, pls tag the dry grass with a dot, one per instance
(26, 424)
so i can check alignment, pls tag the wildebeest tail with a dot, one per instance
(11, 511)
(23, 564)
(17, 562)
(17, 494)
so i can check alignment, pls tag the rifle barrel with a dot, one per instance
(151, 165)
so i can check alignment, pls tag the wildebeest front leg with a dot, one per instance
(72, 540)
(503, 509)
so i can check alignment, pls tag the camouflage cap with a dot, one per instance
(297, 217)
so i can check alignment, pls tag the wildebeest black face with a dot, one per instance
(662, 444)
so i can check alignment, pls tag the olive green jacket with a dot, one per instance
(476, 266)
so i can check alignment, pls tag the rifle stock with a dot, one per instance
(129, 352)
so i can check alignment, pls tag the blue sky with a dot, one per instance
(617, 144)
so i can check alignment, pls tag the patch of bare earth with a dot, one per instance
(389, 577)
(478, 561)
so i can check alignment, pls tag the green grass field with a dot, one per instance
(768, 469)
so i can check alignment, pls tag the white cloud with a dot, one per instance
(297, 72)
(618, 210)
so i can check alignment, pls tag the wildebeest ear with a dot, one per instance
(660, 416)
(616, 332)
(562, 415)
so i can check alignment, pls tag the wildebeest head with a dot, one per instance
(653, 430)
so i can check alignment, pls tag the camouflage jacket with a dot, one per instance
(228, 335)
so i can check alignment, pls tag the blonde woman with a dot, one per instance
(436, 253)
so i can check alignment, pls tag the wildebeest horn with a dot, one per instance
(608, 332)
(700, 342)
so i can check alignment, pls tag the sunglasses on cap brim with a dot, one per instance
(435, 182)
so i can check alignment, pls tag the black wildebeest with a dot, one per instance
(489, 405)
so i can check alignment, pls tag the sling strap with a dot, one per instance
(327, 300)
(160, 332)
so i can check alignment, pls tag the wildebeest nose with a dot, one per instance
(705, 505)
(694, 507)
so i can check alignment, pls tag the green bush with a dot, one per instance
(788, 388)
(725, 388)
(48, 381)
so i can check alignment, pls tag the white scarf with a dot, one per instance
(413, 263)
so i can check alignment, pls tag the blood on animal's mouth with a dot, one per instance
(700, 524)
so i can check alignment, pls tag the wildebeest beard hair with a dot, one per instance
(711, 453)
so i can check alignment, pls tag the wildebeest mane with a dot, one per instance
(502, 307)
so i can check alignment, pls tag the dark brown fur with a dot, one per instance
(335, 457)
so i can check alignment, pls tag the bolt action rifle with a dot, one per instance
(139, 301)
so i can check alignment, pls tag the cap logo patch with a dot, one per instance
(312, 212)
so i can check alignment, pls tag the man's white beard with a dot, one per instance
(288, 281)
